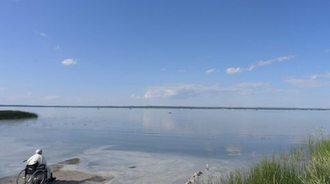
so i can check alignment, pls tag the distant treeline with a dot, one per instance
(174, 107)
(7, 114)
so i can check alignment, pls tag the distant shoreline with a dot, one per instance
(175, 107)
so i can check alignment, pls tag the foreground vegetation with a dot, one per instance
(305, 164)
(7, 115)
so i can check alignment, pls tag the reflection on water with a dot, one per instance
(225, 135)
(152, 120)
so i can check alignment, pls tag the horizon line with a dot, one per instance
(166, 107)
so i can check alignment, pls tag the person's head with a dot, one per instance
(39, 151)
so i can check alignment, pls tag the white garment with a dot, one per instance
(41, 160)
(36, 158)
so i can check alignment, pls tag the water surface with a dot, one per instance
(164, 145)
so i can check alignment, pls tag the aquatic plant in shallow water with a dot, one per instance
(318, 167)
(308, 163)
(8, 114)
(267, 171)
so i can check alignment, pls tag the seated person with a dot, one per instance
(38, 158)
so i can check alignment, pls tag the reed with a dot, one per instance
(308, 163)
(8, 114)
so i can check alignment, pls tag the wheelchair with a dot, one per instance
(33, 174)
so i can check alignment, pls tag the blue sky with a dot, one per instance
(148, 52)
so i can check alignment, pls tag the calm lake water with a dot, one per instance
(164, 145)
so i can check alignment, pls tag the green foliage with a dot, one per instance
(318, 170)
(308, 163)
(5, 115)
(267, 171)
(318, 167)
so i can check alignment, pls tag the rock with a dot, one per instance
(72, 161)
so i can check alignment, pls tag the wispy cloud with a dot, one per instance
(238, 70)
(135, 96)
(69, 62)
(2, 88)
(209, 71)
(42, 34)
(57, 47)
(190, 90)
(309, 83)
(313, 81)
(231, 71)
(181, 71)
(327, 51)
(324, 76)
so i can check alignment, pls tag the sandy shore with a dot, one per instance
(65, 176)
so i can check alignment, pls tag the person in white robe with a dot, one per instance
(40, 159)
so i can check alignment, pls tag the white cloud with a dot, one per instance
(261, 63)
(190, 90)
(313, 81)
(237, 70)
(209, 71)
(181, 71)
(69, 62)
(327, 51)
(2, 88)
(234, 70)
(285, 58)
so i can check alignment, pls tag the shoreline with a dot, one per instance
(176, 107)
(65, 175)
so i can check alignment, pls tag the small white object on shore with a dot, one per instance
(207, 167)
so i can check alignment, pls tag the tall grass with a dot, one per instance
(308, 163)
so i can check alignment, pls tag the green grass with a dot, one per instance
(8, 115)
(308, 163)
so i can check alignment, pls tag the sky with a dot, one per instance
(234, 53)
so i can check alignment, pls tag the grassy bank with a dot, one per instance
(7, 115)
(306, 164)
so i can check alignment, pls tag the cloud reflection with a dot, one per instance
(158, 120)
(233, 150)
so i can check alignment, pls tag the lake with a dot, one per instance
(154, 145)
